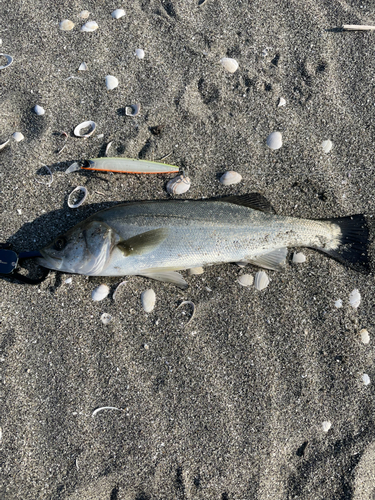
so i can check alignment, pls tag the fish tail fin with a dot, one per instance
(351, 243)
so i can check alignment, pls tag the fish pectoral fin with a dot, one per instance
(256, 201)
(167, 277)
(274, 260)
(144, 242)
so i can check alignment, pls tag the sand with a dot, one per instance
(232, 405)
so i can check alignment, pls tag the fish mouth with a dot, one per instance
(54, 263)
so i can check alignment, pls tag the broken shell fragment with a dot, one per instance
(178, 185)
(132, 110)
(355, 298)
(261, 280)
(105, 318)
(195, 270)
(229, 64)
(366, 379)
(73, 168)
(82, 67)
(274, 140)
(299, 258)
(140, 53)
(90, 26)
(118, 13)
(111, 82)
(100, 293)
(365, 337)
(338, 304)
(83, 126)
(9, 61)
(327, 146)
(18, 136)
(66, 25)
(230, 177)
(84, 14)
(50, 177)
(130, 166)
(148, 299)
(326, 425)
(74, 199)
(282, 102)
(246, 280)
(39, 110)
(2, 146)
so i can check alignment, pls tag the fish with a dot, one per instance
(156, 239)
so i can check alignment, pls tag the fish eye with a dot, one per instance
(59, 243)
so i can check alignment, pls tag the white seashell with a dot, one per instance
(230, 177)
(84, 14)
(48, 183)
(327, 146)
(39, 110)
(246, 280)
(66, 25)
(18, 136)
(326, 425)
(105, 318)
(73, 168)
(90, 26)
(178, 185)
(1, 42)
(148, 299)
(355, 298)
(282, 102)
(140, 53)
(261, 280)
(9, 61)
(116, 14)
(338, 303)
(195, 270)
(82, 67)
(68, 281)
(132, 110)
(82, 126)
(79, 201)
(100, 293)
(365, 337)
(299, 258)
(366, 379)
(229, 64)
(274, 140)
(111, 82)
(2, 146)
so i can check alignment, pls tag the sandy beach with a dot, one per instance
(264, 394)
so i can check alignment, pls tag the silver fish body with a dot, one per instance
(155, 239)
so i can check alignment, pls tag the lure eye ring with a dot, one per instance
(59, 243)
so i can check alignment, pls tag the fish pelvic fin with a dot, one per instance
(352, 242)
(274, 260)
(143, 243)
(166, 277)
(256, 201)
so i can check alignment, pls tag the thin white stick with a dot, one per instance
(105, 408)
(357, 27)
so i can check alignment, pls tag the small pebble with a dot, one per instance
(282, 102)
(275, 140)
(39, 110)
(366, 379)
(327, 146)
(100, 293)
(106, 318)
(299, 258)
(68, 280)
(365, 337)
(148, 299)
(140, 53)
(355, 298)
(338, 303)
(18, 136)
(326, 425)
(246, 280)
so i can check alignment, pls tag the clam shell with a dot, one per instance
(355, 298)
(327, 146)
(195, 270)
(366, 379)
(282, 102)
(365, 337)
(66, 25)
(79, 202)
(9, 61)
(148, 299)
(82, 67)
(178, 185)
(18, 136)
(229, 64)
(105, 318)
(140, 53)
(82, 126)
(299, 258)
(84, 14)
(246, 280)
(116, 14)
(275, 140)
(39, 110)
(111, 82)
(132, 110)
(261, 280)
(90, 26)
(230, 177)
(100, 293)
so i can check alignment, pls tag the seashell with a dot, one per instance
(327, 146)
(188, 303)
(229, 64)
(246, 280)
(230, 177)
(82, 67)
(105, 318)
(90, 26)
(338, 304)
(108, 148)
(366, 379)
(9, 61)
(66, 25)
(100, 293)
(120, 285)
(355, 298)
(73, 168)
(39, 110)
(79, 201)
(195, 270)
(261, 280)
(178, 185)
(68, 281)
(326, 425)
(116, 14)
(148, 299)
(299, 258)
(84, 14)
(111, 82)
(2, 146)
(274, 140)
(140, 53)
(132, 110)
(50, 175)
(282, 102)
(82, 126)
(1, 42)
(365, 337)
(242, 263)
(18, 136)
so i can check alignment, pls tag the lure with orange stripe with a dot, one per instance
(129, 166)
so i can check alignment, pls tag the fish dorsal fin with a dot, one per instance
(255, 201)
(144, 242)
(167, 277)
(274, 260)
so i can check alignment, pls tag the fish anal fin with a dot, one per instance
(166, 277)
(256, 201)
(274, 260)
(143, 243)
